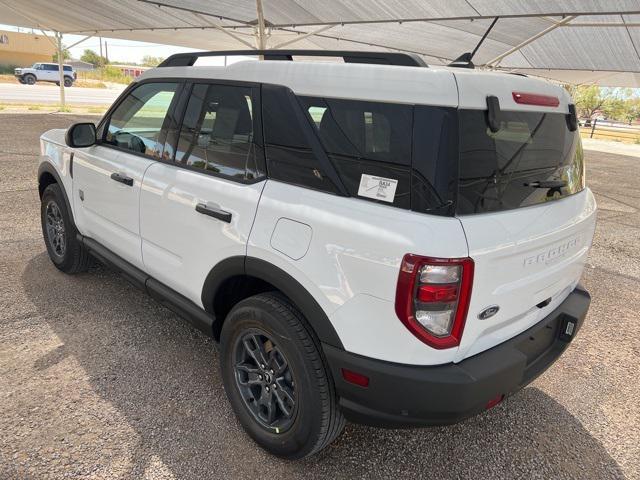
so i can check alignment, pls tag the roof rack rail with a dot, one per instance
(380, 58)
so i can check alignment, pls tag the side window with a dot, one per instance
(290, 158)
(366, 138)
(51, 67)
(217, 131)
(137, 122)
(435, 165)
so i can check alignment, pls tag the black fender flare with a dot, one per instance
(47, 167)
(285, 283)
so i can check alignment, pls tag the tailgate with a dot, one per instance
(527, 261)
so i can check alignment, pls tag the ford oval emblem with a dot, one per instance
(488, 312)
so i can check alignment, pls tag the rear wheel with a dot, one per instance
(64, 249)
(276, 379)
(30, 79)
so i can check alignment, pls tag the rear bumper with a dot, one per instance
(405, 395)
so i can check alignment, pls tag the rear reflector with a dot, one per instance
(355, 378)
(535, 99)
(494, 401)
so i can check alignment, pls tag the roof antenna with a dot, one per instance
(464, 60)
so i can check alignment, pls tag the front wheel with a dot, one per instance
(276, 379)
(67, 82)
(30, 79)
(65, 251)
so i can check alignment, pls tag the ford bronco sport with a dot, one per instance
(374, 239)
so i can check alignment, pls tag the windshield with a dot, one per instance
(532, 158)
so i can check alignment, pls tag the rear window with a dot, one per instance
(533, 158)
(437, 160)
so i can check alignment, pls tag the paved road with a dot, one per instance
(99, 381)
(50, 93)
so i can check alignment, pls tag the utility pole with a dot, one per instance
(61, 70)
(106, 52)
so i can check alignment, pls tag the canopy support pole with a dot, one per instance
(496, 61)
(261, 38)
(49, 38)
(61, 69)
(302, 37)
(80, 41)
(224, 30)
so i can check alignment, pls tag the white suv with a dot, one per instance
(375, 240)
(45, 72)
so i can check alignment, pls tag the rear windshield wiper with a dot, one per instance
(546, 184)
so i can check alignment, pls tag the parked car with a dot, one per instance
(371, 240)
(45, 72)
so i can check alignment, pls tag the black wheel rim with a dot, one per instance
(265, 381)
(55, 229)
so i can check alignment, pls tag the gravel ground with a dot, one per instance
(99, 381)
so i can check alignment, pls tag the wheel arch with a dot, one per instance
(47, 175)
(240, 277)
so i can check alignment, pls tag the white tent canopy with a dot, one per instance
(573, 41)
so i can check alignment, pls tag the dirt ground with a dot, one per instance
(99, 381)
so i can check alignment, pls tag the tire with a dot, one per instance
(68, 81)
(63, 247)
(22, 81)
(276, 331)
(30, 79)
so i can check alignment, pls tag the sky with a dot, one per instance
(119, 50)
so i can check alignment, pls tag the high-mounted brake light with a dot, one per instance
(432, 298)
(535, 99)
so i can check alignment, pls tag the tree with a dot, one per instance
(65, 55)
(92, 57)
(588, 100)
(632, 110)
(613, 103)
(149, 61)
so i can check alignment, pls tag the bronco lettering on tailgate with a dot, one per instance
(553, 254)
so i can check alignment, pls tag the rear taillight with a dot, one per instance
(432, 298)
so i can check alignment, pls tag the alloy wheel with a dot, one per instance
(265, 381)
(55, 229)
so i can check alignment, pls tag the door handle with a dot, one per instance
(118, 177)
(223, 215)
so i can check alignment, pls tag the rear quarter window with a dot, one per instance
(366, 138)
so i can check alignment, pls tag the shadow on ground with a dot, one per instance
(161, 376)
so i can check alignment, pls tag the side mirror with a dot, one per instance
(81, 135)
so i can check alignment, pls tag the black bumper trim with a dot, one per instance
(401, 395)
